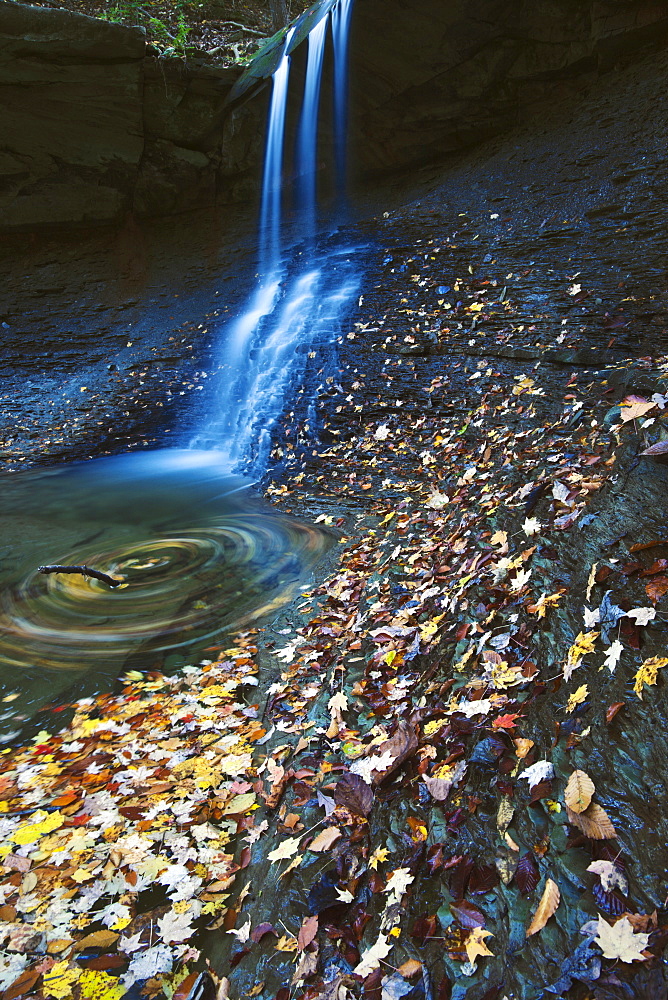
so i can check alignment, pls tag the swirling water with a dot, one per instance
(197, 552)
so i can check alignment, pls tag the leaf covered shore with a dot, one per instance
(420, 769)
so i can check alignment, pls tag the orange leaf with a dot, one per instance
(594, 822)
(410, 968)
(548, 904)
(656, 588)
(579, 791)
(612, 710)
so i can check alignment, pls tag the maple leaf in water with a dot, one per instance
(621, 941)
(648, 673)
(544, 602)
(285, 850)
(577, 698)
(641, 616)
(542, 770)
(475, 944)
(372, 957)
(612, 655)
(531, 526)
(584, 644)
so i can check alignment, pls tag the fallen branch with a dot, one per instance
(242, 27)
(83, 571)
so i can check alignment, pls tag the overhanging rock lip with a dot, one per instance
(267, 59)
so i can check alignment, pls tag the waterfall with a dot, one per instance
(294, 308)
(308, 126)
(272, 181)
(341, 15)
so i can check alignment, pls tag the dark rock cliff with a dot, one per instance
(431, 78)
(94, 126)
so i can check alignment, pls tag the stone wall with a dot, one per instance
(430, 78)
(93, 126)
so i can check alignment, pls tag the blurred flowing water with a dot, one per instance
(263, 353)
(197, 552)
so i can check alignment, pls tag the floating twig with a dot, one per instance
(83, 571)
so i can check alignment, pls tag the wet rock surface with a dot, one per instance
(160, 137)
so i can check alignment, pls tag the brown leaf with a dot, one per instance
(643, 922)
(98, 939)
(543, 790)
(307, 966)
(658, 566)
(594, 822)
(307, 932)
(402, 744)
(579, 791)
(527, 874)
(259, 932)
(439, 788)
(656, 588)
(612, 710)
(353, 793)
(17, 863)
(325, 839)
(22, 986)
(660, 448)
(549, 902)
(641, 546)
(410, 968)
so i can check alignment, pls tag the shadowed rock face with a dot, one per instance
(431, 78)
(94, 126)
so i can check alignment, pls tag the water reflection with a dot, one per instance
(198, 554)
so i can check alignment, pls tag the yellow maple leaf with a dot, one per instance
(295, 863)
(42, 822)
(578, 697)
(648, 673)
(430, 628)
(504, 676)
(544, 602)
(59, 980)
(100, 986)
(286, 943)
(475, 944)
(583, 644)
(379, 855)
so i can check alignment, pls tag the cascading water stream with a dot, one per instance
(272, 181)
(308, 127)
(341, 15)
(265, 350)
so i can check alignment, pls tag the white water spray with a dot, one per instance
(341, 15)
(265, 350)
(272, 181)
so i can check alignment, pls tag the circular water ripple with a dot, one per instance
(209, 580)
(197, 552)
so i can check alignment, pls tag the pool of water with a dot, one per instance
(196, 551)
